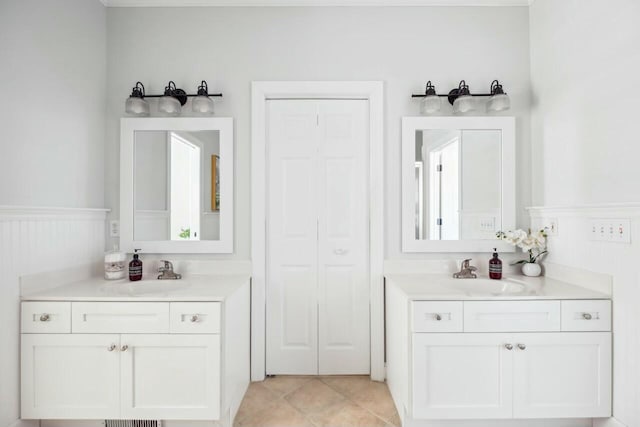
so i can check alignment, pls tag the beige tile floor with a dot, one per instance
(332, 401)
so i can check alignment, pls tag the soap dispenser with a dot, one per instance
(135, 267)
(495, 266)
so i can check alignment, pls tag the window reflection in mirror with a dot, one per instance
(176, 185)
(458, 184)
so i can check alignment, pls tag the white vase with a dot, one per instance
(531, 269)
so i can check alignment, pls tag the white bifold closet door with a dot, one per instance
(318, 237)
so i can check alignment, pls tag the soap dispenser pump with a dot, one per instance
(135, 267)
(495, 266)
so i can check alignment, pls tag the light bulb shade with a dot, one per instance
(464, 104)
(169, 105)
(202, 104)
(136, 106)
(499, 102)
(430, 104)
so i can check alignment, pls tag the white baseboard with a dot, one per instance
(25, 423)
(579, 422)
(607, 422)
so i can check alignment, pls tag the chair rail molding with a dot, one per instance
(11, 213)
(603, 210)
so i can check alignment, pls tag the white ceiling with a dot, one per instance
(197, 3)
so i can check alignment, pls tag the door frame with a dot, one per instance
(261, 91)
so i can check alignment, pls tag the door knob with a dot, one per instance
(522, 346)
(508, 346)
(45, 317)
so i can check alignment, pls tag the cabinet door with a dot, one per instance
(462, 376)
(67, 376)
(562, 375)
(171, 377)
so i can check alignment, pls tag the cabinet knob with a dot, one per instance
(124, 348)
(112, 347)
(522, 346)
(45, 317)
(587, 316)
(438, 317)
(195, 318)
(508, 346)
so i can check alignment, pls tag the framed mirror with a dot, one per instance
(176, 185)
(458, 183)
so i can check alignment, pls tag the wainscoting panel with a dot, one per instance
(573, 246)
(35, 240)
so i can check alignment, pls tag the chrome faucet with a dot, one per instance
(466, 271)
(166, 272)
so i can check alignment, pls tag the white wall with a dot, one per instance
(585, 60)
(53, 74)
(585, 63)
(404, 47)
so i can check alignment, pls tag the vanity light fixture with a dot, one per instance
(499, 100)
(430, 102)
(463, 100)
(202, 104)
(136, 104)
(171, 101)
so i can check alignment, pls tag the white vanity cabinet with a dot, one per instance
(506, 359)
(135, 360)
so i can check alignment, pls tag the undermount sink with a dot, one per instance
(488, 286)
(149, 286)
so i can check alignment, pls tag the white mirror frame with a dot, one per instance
(409, 127)
(128, 127)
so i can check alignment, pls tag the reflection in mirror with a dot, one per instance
(458, 184)
(176, 185)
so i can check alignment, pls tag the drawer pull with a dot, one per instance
(112, 347)
(45, 317)
(508, 346)
(124, 348)
(522, 346)
(438, 317)
(587, 316)
(195, 318)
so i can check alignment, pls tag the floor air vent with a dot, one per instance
(132, 423)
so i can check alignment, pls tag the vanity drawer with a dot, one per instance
(42, 317)
(437, 316)
(586, 315)
(511, 316)
(195, 317)
(120, 317)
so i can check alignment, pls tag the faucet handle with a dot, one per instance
(465, 263)
(167, 265)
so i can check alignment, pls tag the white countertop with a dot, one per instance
(189, 288)
(444, 287)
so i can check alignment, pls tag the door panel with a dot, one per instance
(317, 237)
(172, 377)
(68, 376)
(462, 376)
(292, 333)
(563, 375)
(343, 236)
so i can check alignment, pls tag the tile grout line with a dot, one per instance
(388, 422)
